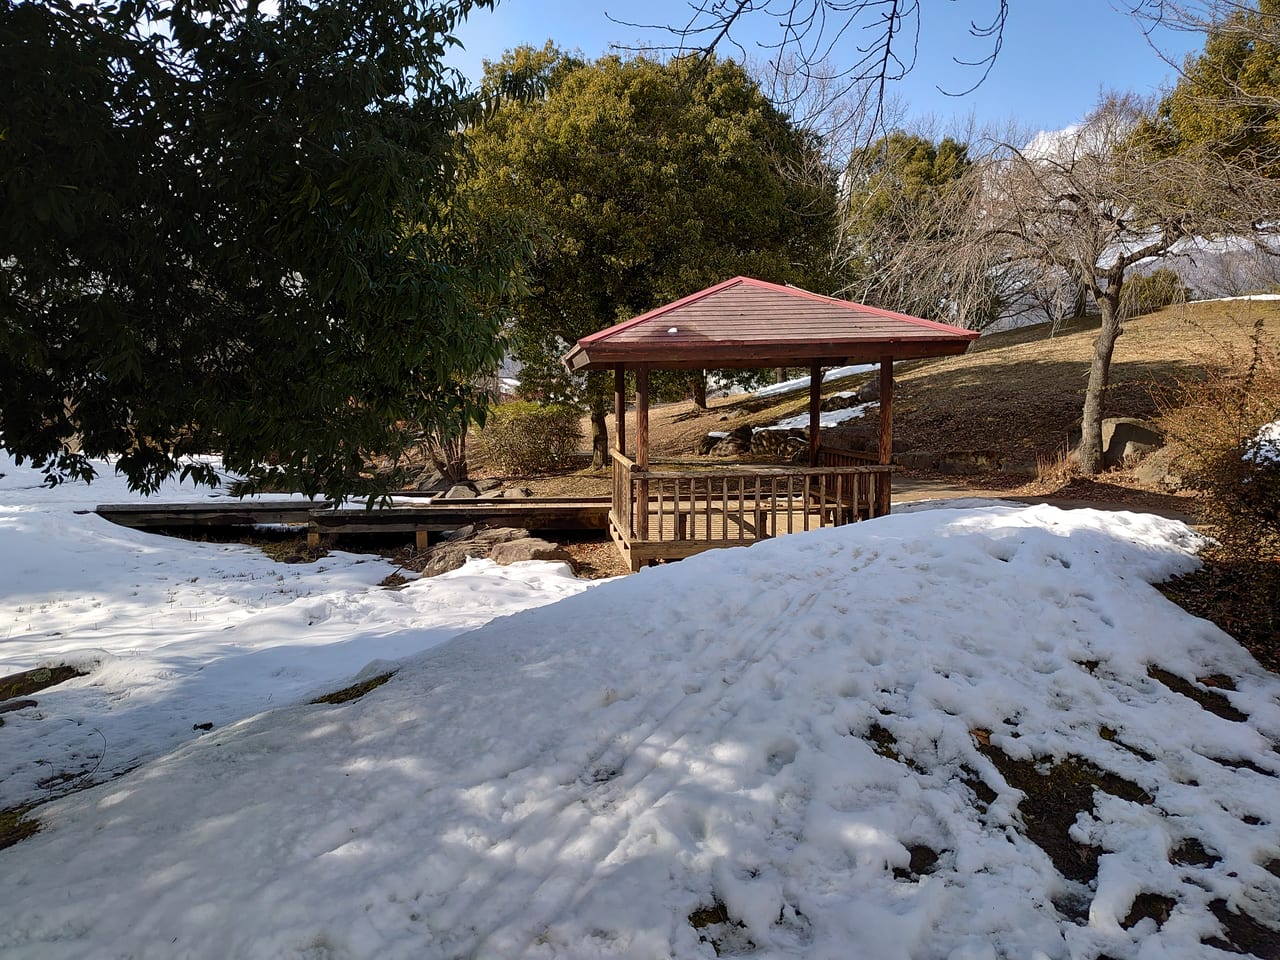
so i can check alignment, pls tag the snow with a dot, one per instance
(176, 633)
(826, 419)
(802, 383)
(1265, 445)
(1251, 296)
(578, 778)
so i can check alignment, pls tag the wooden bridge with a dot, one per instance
(422, 520)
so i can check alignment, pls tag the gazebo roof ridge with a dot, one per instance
(748, 322)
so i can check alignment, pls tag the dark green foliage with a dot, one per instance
(522, 437)
(1227, 99)
(647, 181)
(223, 230)
(1153, 291)
(908, 239)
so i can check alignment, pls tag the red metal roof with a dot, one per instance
(749, 323)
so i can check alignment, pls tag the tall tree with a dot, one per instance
(231, 230)
(908, 238)
(647, 181)
(1098, 200)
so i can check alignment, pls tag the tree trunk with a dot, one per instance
(1090, 452)
(599, 432)
(700, 389)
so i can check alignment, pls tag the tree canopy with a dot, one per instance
(646, 181)
(1227, 98)
(907, 239)
(231, 230)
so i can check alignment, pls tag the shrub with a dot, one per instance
(1217, 427)
(1217, 423)
(1149, 293)
(522, 437)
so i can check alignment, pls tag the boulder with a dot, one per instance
(430, 480)
(1161, 469)
(516, 493)
(841, 401)
(459, 491)
(462, 545)
(528, 548)
(1128, 439)
(487, 485)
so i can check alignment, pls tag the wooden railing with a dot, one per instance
(620, 511)
(835, 457)
(741, 504)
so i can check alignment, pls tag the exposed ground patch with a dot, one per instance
(1055, 795)
(1207, 697)
(356, 690)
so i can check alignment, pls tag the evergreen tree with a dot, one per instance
(231, 230)
(646, 181)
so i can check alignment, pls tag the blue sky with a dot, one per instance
(1057, 54)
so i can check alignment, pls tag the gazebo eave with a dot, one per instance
(608, 356)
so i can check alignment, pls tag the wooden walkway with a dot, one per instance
(533, 513)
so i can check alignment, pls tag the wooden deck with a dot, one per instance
(669, 514)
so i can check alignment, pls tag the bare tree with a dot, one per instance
(1095, 202)
(876, 41)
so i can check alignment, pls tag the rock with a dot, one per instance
(12, 705)
(1161, 469)
(779, 444)
(1127, 439)
(453, 553)
(487, 485)
(529, 548)
(840, 402)
(430, 480)
(516, 493)
(459, 491)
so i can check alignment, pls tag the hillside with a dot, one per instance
(1017, 393)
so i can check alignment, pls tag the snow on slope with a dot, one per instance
(695, 744)
(176, 633)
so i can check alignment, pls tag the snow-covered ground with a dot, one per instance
(175, 633)
(828, 418)
(802, 383)
(740, 753)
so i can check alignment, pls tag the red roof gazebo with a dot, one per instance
(749, 323)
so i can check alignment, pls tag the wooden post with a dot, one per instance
(815, 410)
(642, 449)
(884, 489)
(620, 408)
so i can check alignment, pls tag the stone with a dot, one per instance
(528, 548)
(840, 402)
(459, 491)
(1161, 469)
(516, 493)
(430, 480)
(1128, 439)
(487, 485)
(453, 553)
